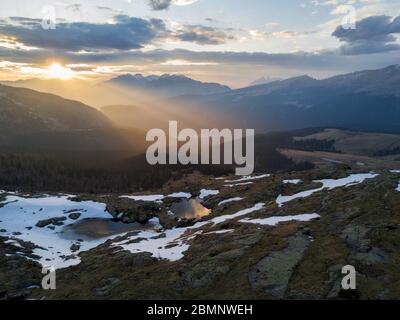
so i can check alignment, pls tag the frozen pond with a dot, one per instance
(98, 228)
(42, 220)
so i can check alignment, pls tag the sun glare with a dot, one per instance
(57, 71)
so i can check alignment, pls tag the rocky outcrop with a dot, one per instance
(57, 221)
(272, 273)
(129, 211)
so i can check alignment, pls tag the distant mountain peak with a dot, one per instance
(141, 77)
(264, 80)
(167, 85)
(301, 78)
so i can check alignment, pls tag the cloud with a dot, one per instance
(321, 60)
(234, 68)
(165, 4)
(104, 8)
(203, 35)
(373, 34)
(125, 34)
(159, 4)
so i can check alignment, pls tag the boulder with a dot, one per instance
(57, 221)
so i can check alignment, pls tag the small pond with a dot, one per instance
(189, 209)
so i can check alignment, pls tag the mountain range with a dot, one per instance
(167, 85)
(365, 100)
(125, 89)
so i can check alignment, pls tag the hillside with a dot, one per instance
(358, 143)
(34, 121)
(27, 110)
(281, 236)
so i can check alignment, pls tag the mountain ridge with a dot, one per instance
(167, 85)
(366, 100)
(41, 122)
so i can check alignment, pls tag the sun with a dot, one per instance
(57, 71)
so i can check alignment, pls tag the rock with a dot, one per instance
(107, 286)
(355, 237)
(391, 226)
(306, 231)
(348, 213)
(129, 211)
(74, 215)
(372, 257)
(272, 273)
(57, 221)
(160, 236)
(75, 247)
(204, 273)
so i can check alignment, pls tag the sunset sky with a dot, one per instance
(229, 41)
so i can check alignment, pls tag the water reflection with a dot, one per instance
(189, 209)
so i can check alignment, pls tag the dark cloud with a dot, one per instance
(373, 34)
(159, 4)
(238, 63)
(325, 61)
(203, 35)
(125, 34)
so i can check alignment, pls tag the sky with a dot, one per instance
(233, 42)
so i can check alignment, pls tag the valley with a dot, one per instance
(78, 194)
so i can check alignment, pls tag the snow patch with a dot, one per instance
(293, 181)
(185, 195)
(273, 221)
(220, 231)
(148, 198)
(329, 184)
(204, 193)
(173, 243)
(230, 200)
(248, 178)
(158, 197)
(238, 184)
